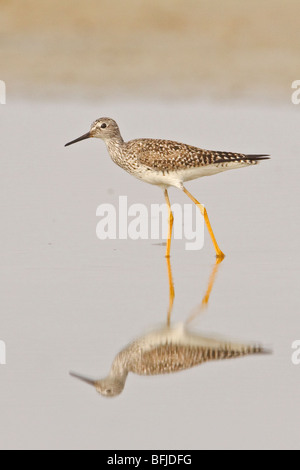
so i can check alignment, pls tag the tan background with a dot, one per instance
(160, 47)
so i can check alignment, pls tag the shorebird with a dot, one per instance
(166, 163)
(170, 348)
(166, 350)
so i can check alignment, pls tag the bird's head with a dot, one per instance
(108, 387)
(103, 128)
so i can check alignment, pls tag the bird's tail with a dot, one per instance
(257, 158)
(242, 158)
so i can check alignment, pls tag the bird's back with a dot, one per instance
(173, 349)
(170, 357)
(167, 155)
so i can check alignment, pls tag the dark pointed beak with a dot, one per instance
(84, 379)
(83, 137)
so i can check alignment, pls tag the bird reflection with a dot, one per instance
(169, 349)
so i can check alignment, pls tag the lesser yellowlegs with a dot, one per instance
(166, 350)
(169, 349)
(166, 163)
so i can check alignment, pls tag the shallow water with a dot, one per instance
(71, 302)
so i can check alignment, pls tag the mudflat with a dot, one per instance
(172, 48)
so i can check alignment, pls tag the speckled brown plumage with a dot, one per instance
(166, 351)
(164, 162)
(171, 357)
(166, 155)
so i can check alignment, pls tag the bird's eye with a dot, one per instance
(103, 126)
(108, 391)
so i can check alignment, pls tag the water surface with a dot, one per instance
(70, 302)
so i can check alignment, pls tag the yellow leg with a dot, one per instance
(206, 297)
(203, 211)
(171, 220)
(211, 282)
(171, 291)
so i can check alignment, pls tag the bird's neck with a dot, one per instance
(114, 143)
(119, 368)
(115, 148)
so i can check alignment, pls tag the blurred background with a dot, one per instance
(164, 48)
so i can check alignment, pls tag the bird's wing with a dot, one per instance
(165, 155)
